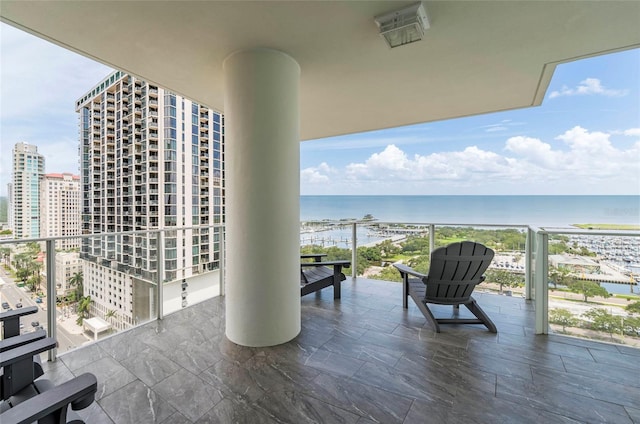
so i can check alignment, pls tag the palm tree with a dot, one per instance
(5, 253)
(83, 309)
(33, 283)
(76, 281)
(33, 248)
(110, 315)
(22, 260)
(35, 269)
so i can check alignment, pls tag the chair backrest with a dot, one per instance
(455, 270)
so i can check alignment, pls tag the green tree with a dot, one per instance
(77, 280)
(388, 249)
(504, 278)
(22, 274)
(5, 253)
(420, 263)
(631, 326)
(35, 269)
(416, 244)
(560, 276)
(110, 315)
(588, 289)
(562, 317)
(84, 305)
(633, 308)
(388, 273)
(33, 248)
(33, 283)
(602, 320)
(371, 254)
(26, 266)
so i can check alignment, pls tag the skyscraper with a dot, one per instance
(28, 171)
(150, 160)
(60, 208)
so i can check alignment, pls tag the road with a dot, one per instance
(12, 294)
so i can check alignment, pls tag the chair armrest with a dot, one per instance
(317, 257)
(12, 356)
(11, 320)
(18, 313)
(18, 367)
(408, 270)
(17, 341)
(79, 392)
(345, 264)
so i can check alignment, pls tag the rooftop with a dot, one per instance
(359, 359)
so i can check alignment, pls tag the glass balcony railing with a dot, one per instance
(128, 281)
(108, 282)
(584, 283)
(589, 284)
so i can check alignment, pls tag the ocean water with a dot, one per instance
(543, 211)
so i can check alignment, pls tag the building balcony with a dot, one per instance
(358, 358)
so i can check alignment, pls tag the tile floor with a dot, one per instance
(361, 359)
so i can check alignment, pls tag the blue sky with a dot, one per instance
(584, 139)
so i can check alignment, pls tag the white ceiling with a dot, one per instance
(477, 57)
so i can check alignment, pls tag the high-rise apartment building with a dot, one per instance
(60, 208)
(28, 171)
(149, 160)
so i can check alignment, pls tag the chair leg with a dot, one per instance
(479, 313)
(428, 315)
(337, 270)
(405, 290)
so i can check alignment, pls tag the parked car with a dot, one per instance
(38, 300)
(35, 324)
(18, 305)
(5, 305)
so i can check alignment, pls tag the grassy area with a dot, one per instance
(448, 240)
(626, 296)
(627, 227)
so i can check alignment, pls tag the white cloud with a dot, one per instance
(534, 151)
(575, 162)
(496, 128)
(588, 86)
(39, 84)
(320, 175)
(632, 132)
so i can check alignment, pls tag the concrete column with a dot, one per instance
(262, 165)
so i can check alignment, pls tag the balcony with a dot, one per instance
(359, 358)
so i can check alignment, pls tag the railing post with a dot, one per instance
(541, 282)
(354, 250)
(432, 238)
(160, 274)
(528, 263)
(222, 259)
(51, 294)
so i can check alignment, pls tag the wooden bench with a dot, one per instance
(319, 274)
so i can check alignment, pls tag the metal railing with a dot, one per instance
(536, 258)
(160, 284)
(536, 254)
